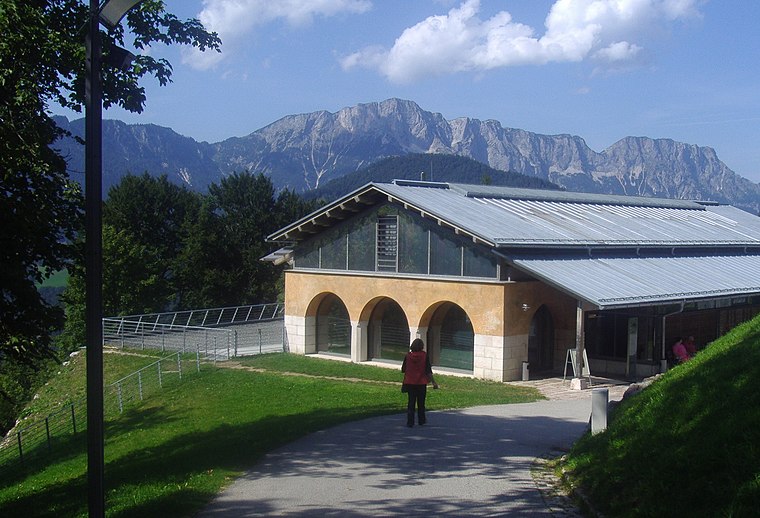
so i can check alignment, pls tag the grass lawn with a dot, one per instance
(173, 453)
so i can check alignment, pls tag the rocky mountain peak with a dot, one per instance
(303, 151)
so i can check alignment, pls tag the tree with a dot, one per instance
(156, 215)
(145, 225)
(42, 62)
(222, 265)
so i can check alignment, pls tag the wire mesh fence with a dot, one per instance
(193, 337)
(43, 437)
(220, 333)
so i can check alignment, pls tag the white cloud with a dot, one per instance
(619, 51)
(610, 31)
(234, 20)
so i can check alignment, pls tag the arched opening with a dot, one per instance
(388, 332)
(541, 341)
(451, 338)
(333, 327)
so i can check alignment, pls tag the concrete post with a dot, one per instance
(599, 401)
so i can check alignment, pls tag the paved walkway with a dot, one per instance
(474, 462)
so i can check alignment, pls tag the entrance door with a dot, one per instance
(541, 341)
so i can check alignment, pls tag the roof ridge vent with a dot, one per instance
(420, 183)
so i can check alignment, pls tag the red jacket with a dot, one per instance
(416, 368)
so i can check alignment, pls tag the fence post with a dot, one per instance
(118, 394)
(73, 419)
(184, 338)
(139, 384)
(160, 380)
(198, 356)
(20, 448)
(236, 343)
(215, 350)
(179, 365)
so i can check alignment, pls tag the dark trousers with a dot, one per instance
(416, 395)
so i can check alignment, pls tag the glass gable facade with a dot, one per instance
(419, 246)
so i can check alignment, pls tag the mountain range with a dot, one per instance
(304, 151)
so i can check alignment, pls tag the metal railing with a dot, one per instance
(219, 333)
(213, 317)
(42, 437)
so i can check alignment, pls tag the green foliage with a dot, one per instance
(151, 220)
(174, 453)
(168, 248)
(432, 167)
(18, 381)
(688, 444)
(42, 60)
(220, 264)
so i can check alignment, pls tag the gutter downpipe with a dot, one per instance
(664, 360)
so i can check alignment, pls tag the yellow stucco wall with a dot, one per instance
(483, 302)
(500, 312)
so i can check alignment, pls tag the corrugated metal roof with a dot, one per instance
(510, 217)
(619, 282)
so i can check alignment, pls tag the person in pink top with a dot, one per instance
(417, 374)
(679, 351)
(691, 346)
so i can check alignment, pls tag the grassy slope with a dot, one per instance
(689, 445)
(171, 455)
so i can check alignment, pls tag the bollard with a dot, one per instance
(599, 399)
(525, 371)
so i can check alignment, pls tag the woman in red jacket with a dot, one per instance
(417, 374)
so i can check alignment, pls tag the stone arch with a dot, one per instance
(388, 335)
(450, 336)
(541, 340)
(332, 325)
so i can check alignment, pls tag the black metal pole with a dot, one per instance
(94, 266)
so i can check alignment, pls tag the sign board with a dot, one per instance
(572, 360)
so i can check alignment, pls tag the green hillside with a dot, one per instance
(430, 167)
(688, 445)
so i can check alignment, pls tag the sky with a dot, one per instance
(687, 70)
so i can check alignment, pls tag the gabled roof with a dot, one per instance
(610, 251)
(504, 217)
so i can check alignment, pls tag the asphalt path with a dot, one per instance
(471, 462)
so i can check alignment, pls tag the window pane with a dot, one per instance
(457, 340)
(333, 327)
(307, 254)
(478, 264)
(334, 251)
(445, 255)
(413, 245)
(361, 244)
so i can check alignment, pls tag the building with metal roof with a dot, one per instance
(496, 280)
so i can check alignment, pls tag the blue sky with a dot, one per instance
(688, 70)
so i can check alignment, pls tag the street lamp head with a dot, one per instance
(112, 11)
(119, 58)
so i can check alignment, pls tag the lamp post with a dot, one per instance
(111, 13)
